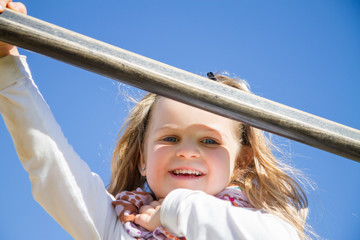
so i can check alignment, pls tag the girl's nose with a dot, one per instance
(188, 151)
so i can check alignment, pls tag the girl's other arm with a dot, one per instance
(196, 215)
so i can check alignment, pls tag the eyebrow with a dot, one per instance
(167, 126)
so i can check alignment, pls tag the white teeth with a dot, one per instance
(185, 171)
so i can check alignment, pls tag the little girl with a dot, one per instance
(177, 171)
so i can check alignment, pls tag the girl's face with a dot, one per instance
(186, 147)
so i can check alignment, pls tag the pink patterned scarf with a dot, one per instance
(128, 203)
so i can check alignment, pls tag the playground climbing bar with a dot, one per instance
(141, 72)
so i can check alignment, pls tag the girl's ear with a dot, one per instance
(142, 167)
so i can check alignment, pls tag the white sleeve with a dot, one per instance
(61, 182)
(197, 215)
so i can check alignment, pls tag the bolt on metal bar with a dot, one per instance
(121, 65)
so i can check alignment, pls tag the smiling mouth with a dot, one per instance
(187, 173)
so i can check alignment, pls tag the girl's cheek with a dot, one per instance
(163, 151)
(158, 156)
(220, 155)
(221, 160)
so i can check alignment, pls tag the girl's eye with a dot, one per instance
(210, 141)
(170, 139)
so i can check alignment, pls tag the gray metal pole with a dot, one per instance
(70, 47)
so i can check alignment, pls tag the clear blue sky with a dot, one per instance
(305, 54)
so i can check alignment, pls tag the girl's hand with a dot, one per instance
(149, 216)
(5, 48)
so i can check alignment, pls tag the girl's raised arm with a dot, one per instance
(61, 182)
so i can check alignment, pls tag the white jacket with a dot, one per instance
(77, 199)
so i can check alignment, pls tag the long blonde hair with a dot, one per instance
(264, 179)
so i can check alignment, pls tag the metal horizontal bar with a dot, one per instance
(113, 62)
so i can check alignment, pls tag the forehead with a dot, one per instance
(167, 112)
